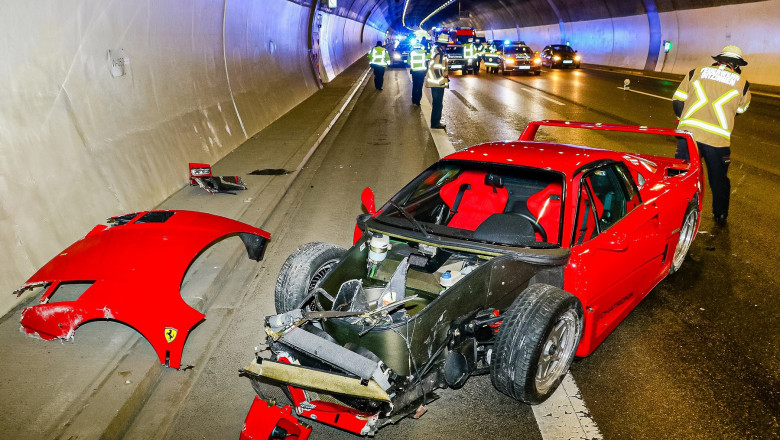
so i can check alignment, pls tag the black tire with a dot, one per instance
(538, 72)
(687, 232)
(303, 271)
(539, 336)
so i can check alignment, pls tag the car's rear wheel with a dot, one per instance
(687, 232)
(303, 272)
(536, 343)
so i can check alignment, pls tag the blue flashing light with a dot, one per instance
(507, 41)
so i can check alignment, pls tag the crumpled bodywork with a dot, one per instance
(201, 175)
(266, 421)
(135, 265)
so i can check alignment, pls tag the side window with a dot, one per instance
(606, 196)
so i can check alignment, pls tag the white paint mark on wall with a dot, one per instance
(565, 416)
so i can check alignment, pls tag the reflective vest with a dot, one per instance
(417, 60)
(437, 72)
(379, 56)
(468, 51)
(713, 96)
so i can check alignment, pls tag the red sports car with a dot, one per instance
(507, 258)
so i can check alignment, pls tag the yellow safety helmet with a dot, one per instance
(443, 39)
(731, 54)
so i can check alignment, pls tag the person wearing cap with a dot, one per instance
(437, 79)
(706, 104)
(379, 59)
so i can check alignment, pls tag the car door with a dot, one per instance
(616, 250)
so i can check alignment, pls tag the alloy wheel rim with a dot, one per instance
(686, 237)
(557, 351)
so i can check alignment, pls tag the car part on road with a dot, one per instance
(134, 267)
(201, 175)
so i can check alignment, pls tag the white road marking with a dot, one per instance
(440, 138)
(538, 93)
(648, 94)
(565, 416)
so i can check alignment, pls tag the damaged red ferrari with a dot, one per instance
(507, 258)
(134, 267)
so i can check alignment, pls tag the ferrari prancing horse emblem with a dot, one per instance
(170, 334)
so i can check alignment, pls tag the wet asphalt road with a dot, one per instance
(699, 358)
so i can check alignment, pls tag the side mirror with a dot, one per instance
(367, 197)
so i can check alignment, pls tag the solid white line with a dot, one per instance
(648, 94)
(440, 138)
(565, 416)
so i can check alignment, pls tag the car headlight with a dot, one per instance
(396, 56)
(556, 58)
(509, 61)
(197, 172)
(537, 61)
(576, 57)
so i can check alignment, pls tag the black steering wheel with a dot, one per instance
(537, 227)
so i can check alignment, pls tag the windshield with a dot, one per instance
(515, 50)
(504, 205)
(562, 48)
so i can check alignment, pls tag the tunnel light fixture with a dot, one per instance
(403, 16)
(436, 11)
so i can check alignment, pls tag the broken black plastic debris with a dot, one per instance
(270, 172)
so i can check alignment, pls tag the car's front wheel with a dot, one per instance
(303, 272)
(536, 343)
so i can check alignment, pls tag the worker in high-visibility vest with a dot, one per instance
(379, 59)
(437, 79)
(706, 103)
(418, 65)
(470, 55)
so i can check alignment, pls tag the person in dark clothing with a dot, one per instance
(379, 59)
(706, 103)
(418, 65)
(437, 80)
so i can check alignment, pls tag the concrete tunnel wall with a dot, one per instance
(78, 144)
(620, 33)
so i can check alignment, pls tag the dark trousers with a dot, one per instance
(437, 93)
(418, 77)
(379, 76)
(717, 160)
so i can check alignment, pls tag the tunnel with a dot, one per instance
(104, 103)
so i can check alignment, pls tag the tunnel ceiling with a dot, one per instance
(499, 14)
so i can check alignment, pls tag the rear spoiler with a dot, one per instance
(693, 151)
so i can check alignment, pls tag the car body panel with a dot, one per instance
(135, 269)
